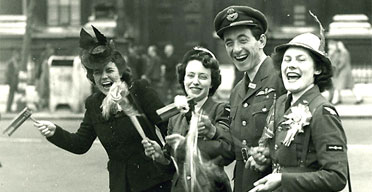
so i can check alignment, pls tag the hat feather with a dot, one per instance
(100, 37)
(86, 40)
(322, 36)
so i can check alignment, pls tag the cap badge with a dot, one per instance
(232, 15)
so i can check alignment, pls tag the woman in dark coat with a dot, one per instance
(129, 168)
(304, 134)
(198, 139)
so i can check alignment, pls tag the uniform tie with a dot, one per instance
(288, 102)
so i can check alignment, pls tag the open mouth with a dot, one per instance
(241, 57)
(292, 76)
(195, 90)
(107, 85)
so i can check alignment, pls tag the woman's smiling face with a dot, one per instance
(104, 78)
(298, 69)
(197, 80)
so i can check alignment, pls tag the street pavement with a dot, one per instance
(30, 163)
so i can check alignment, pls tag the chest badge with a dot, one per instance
(252, 85)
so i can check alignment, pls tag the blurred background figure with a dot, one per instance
(42, 77)
(170, 61)
(12, 72)
(153, 72)
(342, 77)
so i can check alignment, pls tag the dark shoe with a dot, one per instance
(359, 102)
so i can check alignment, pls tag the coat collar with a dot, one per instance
(305, 99)
(262, 73)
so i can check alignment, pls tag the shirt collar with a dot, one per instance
(199, 104)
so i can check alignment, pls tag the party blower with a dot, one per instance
(19, 120)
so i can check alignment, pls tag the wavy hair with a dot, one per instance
(208, 60)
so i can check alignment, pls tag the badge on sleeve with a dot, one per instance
(327, 110)
(335, 148)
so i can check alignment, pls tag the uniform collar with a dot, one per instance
(263, 72)
(295, 97)
(252, 75)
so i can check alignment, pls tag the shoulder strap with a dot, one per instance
(316, 102)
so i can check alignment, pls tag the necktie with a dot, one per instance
(247, 82)
(288, 102)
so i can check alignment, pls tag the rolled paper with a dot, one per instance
(170, 110)
(18, 121)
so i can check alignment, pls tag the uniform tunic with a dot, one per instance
(250, 103)
(214, 149)
(129, 168)
(316, 159)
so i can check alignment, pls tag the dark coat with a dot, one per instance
(129, 168)
(249, 109)
(212, 150)
(322, 165)
(170, 68)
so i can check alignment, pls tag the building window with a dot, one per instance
(63, 12)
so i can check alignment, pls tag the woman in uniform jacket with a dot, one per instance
(304, 135)
(199, 138)
(129, 168)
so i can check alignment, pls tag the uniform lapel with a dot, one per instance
(207, 106)
(305, 99)
(241, 88)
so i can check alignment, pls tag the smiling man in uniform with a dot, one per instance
(243, 31)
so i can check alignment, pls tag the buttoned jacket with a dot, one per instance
(316, 160)
(214, 150)
(250, 104)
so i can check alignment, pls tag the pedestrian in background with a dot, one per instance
(129, 169)
(243, 29)
(153, 72)
(304, 134)
(198, 149)
(12, 77)
(342, 77)
(42, 77)
(170, 61)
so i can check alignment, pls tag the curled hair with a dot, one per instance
(121, 64)
(208, 62)
(323, 80)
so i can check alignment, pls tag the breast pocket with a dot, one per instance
(259, 113)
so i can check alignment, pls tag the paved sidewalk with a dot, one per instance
(346, 110)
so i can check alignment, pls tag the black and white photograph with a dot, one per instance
(185, 95)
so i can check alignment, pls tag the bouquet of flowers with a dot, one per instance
(299, 117)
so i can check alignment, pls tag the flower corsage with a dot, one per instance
(299, 117)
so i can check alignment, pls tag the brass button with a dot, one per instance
(245, 105)
(264, 109)
(244, 123)
(276, 147)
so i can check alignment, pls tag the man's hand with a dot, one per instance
(261, 155)
(268, 183)
(46, 128)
